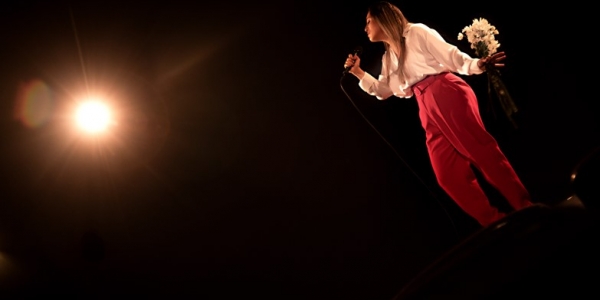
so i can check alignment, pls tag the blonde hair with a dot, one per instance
(392, 23)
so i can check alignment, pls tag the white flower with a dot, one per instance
(481, 35)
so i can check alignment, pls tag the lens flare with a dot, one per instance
(34, 103)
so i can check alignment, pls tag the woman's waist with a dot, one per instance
(420, 87)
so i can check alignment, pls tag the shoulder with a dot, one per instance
(418, 29)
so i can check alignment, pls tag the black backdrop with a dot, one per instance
(241, 168)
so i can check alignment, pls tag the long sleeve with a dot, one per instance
(447, 54)
(380, 87)
(375, 87)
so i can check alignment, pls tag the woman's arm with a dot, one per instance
(374, 87)
(445, 53)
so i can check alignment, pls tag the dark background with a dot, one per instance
(239, 166)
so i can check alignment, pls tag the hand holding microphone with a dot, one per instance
(352, 64)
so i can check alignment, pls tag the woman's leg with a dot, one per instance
(455, 176)
(455, 110)
(452, 168)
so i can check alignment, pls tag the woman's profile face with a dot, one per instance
(373, 30)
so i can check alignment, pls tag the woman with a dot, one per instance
(418, 62)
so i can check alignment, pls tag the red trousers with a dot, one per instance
(457, 139)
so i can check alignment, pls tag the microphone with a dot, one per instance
(357, 51)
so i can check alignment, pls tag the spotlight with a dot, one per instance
(93, 116)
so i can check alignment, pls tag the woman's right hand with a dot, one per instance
(494, 60)
(353, 61)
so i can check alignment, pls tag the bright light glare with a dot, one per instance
(93, 116)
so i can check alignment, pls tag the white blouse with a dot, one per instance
(427, 53)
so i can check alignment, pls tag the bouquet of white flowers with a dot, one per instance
(482, 36)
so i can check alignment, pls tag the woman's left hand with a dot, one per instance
(492, 60)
